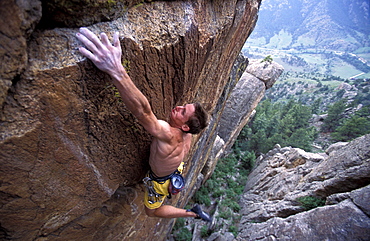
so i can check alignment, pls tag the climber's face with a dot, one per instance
(181, 114)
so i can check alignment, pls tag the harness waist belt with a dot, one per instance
(160, 179)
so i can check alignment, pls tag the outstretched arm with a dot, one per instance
(107, 57)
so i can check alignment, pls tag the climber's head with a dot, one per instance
(190, 118)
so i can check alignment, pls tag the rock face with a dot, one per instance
(17, 21)
(72, 156)
(249, 90)
(238, 105)
(271, 210)
(234, 109)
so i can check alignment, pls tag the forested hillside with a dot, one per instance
(324, 47)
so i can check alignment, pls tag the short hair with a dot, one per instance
(198, 121)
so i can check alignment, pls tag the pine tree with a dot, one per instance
(335, 116)
(351, 129)
(284, 124)
(316, 106)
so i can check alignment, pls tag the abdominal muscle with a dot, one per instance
(165, 158)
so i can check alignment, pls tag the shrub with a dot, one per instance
(226, 214)
(204, 232)
(233, 229)
(231, 204)
(202, 197)
(180, 222)
(183, 235)
(267, 59)
(310, 202)
(217, 193)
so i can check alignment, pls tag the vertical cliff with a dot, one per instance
(72, 156)
(248, 82)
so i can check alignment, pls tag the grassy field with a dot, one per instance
(314, 62)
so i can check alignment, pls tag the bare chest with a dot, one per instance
(165, 159)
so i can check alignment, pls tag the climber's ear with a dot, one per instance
(185, 128)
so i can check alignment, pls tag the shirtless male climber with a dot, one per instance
(171, 141)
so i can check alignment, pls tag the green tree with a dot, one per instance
(364, 111)
(315, 107)
(183, 235)
(335, 116)
(294, 127)
(351, 129)
(286, 108)
(302, 138)
(277, 123)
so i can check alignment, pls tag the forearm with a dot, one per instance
(107, 57)
(134, 100)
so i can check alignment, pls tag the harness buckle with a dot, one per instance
(153, 196)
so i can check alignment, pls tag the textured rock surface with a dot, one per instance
(342, 177)
(232, 112)
(72, 157)
(265, 71)
(247, 93)
(17, 21)
(238, 105)
(84, 12)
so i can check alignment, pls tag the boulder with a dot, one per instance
(266, 71)
(271, 206)
(344, 221)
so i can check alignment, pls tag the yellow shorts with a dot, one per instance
(160, 188)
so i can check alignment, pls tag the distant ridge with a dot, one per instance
(331, 24)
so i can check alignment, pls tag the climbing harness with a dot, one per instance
(177, 183)
(152, 194)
